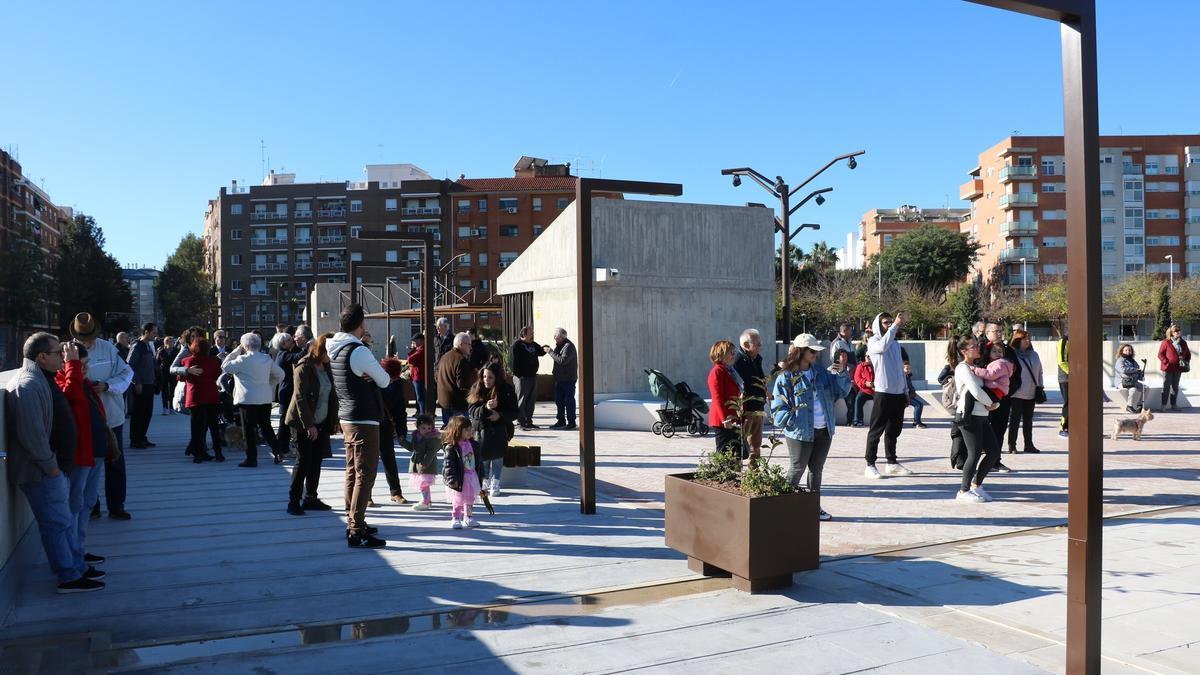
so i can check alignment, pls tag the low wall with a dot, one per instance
(15, 522)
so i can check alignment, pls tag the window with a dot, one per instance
(1134, 219)
(391, 256)
(1021, 161)
(1054, 214)
(537, 229)
(356, 230)
(236, 210)
(483, 260)
(1135, 246)
(1193, 269)
(1054, 187)
(1193, 243)
(390, 205)
(887, 240)
(507, 258)
(236, 259)
(303, 207)
(1169, 186)
(1162, 241)
(236, 284)
(465, 260)
(464, 206)
(237, 310)
(356, 256)
(1106, 188)
(562, 203)
(485, 284)
(1048, 168)
(393, 228)
(1055, 270)
(483, 206)
(1108, 216)
(1135, 267)
(1108, 244)
(355, 206)
(236, 235)
(1133, 190)
(508, 204)
(508, 231)
(537, 205)
(464, 232)
(1054, 242)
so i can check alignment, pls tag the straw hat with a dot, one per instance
(84, 327)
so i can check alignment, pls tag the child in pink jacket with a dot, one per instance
(996, 374)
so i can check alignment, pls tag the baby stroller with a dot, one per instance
(682, 408)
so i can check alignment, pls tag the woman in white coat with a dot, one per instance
(255, 376)
(974, 404)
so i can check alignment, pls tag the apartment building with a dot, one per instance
(143, 288)
(268, 245)
(1150, 208)
(27, 215)
(880, 227)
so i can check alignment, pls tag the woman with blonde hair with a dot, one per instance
(724, 386)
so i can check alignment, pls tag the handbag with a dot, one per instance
(114, 448)
(1184, 365)
(1039, 395)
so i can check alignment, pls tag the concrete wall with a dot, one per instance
(325, 311)
(15, 520)
(690, 274)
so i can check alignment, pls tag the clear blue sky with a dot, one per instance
(138, 116)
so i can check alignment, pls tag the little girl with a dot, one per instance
(996, 374)
(423, 466)
(462, 481)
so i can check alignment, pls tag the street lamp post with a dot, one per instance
(803, 322)
(780, 190)
(1024, 283)
(1170, 258)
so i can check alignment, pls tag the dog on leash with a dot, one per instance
(1133, 425)
(235, 437)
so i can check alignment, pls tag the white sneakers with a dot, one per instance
(456, 524)
(471, 522)
(495, 489)
(969, 496)
(421, 506)
(888, 470)
(978, 489)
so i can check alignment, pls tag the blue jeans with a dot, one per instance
(85, 486)
(917, 405)
(492, 468)
(850, 399)
(49, 499)
(419, 389)
(114, 476)
(564, 400)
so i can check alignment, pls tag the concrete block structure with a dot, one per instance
(669, 280)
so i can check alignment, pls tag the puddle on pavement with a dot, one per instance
(495, 616)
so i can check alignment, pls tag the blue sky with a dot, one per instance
(137, 113)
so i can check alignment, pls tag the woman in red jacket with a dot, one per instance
(91, 444)
(724, 389)
(416, 370)
(864, 381)
(1174, 358)
(203, 400)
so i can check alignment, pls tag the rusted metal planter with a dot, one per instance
(759, 541)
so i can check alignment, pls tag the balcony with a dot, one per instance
(972, 189)
(263, 242)
(1019, 280)
(1015, 199)
(303, 214)
(258, 291)
(1131, 169)
(332, 239)
(270, 267)
(1017, 228)
(268, 215)
(331, 213)
(1015, 254)
(304, 241)
(430, 211)
(303, 265)
(1010, 173)
(332, 265)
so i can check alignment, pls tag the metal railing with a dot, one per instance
(332, 239)
(303, 241)
(1131, 168)
(303, 264)
(268, 215)
(303, 214)
(1020, 280)
(1017, 228)
(1018, 172)
(332, 265)
(1015, 254)
(257, 242)
(331, 213)
(430, 211)
(1019, 199)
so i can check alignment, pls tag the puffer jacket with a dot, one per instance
(494, 435)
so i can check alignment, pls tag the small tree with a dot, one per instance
(1051, 301)
(1163, 320)
(964, 308)
(930, 257)
(1135, 297)
(185, 288)
(1185, 300)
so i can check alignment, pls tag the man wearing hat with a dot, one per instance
(110, 377)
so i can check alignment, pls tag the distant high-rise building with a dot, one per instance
(144, 289)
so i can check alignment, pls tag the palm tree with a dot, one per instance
(822, 256)
(796, 258)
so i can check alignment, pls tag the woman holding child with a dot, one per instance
(974, 403)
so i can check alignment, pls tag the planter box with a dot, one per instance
(760, 541)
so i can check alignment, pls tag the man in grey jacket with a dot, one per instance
(110, 377)
(566, 373)
(891, 395)
(145, 378)
(33, 464)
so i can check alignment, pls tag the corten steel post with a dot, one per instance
(1085, 464)
(584, 278)
(428, 242)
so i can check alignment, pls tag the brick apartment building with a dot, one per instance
(269, 244)
(26, 213)
(880, 227)
(1150, 207)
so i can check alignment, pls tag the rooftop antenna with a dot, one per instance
(262, 151)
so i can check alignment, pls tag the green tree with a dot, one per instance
(1135, 296)
(796, 256)
(821, 258)
(23, 270)
(1050, 301)
(925, 311)
(1163, 320)
(964, 308)
(185, 289)
(1185, 300)
(87, 279)
(930, 257)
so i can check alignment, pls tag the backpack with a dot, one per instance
(950, 394)
(1014, 382)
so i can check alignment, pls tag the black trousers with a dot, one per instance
(1021, 415)
(887, 419)
(1064, 388)
(1170, 390)
(983, 452)
(725, 437)
(998, 418)
(205, 418)
(307, 473)
(142, 411)
(167, 391)
(387, 454)
(256, 419)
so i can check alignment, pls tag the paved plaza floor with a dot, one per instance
(212, 575)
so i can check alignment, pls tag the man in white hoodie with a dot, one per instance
(891, 395)
(358, 380)
(110, 376)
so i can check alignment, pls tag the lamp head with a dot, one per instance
(737, 180)
(852, 163)
(820, 199)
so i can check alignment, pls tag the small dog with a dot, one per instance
(235, 437)
(1132, 424)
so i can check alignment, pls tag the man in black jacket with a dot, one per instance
(480, 354)
(525, 354)
(748, 365)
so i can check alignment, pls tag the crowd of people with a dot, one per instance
(990, 385)
(69, 403)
